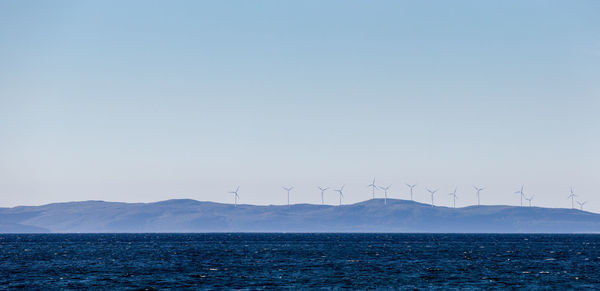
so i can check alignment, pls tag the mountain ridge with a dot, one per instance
(188, 215)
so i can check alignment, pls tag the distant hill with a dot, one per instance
(368, 216)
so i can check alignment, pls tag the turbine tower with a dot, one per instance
(478, 189)
(288, 189)
(373, 187)
(432, 192)
(520, 192)
(581, 204)
(411, 190)
(322, 191)
(385, 191)
(453, 194)
(572, 196)
(340, 191)
(529, 199)
(235, 195)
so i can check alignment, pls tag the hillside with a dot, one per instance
(368, 216)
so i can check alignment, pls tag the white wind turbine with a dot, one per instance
(520, 192)
(572, 196)
(288, 189)
(478, 189)
(373, 187)
(340, 191)
(411, 190)
(581, 204)
(432, 192)
(322, 191)
(529, 199)
(385, 192)
(453, 194)
(235, 195)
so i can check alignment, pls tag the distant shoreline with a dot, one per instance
(371, 216)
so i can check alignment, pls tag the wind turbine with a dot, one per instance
(478, 190)
(529, 199)
(288, 189)
(340, 191)
(572, 196)
(411, 190)
(453, 194)
(373, 187)
(521, 194)
(581, 204)
(235, 195)
(432, 193)
(322, 191)
(385, 191)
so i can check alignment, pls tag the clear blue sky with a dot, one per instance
(153, 100)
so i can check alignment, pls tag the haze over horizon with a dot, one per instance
(144, 101)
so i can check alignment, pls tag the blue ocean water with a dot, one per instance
(299, 261)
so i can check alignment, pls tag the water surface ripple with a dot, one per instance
(298, 261)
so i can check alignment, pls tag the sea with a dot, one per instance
(324, 261)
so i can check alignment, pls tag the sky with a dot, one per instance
(141, 101)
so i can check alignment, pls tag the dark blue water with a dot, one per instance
(329, 261)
